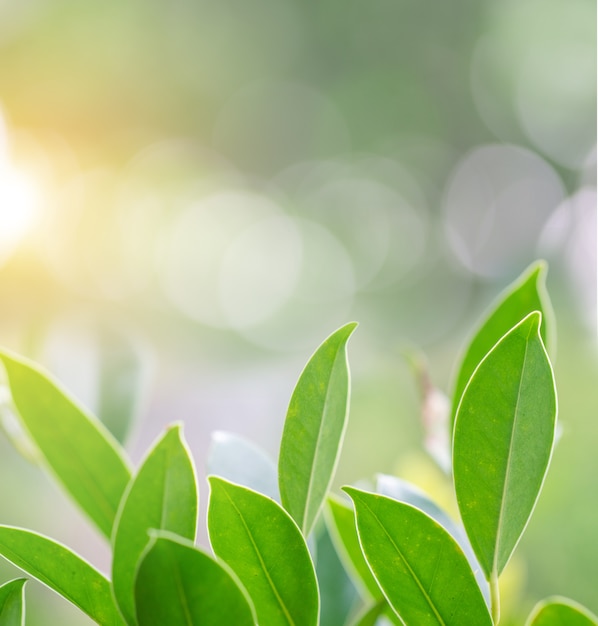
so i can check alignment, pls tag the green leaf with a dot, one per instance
(63, 571)
(122, 378)
(163, 496)
(262, 544)
(558, 611)
(81, 453)
(421, 569)
(340, 520)
(525, 295)
(12, 603)
(403, 491)
(503, 441)
(314, 428)
(243, 463)
(178, 584)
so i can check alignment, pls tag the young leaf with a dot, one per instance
(314, 428)
(421, 569)
(403, 491)
(557, 611)
(63, 571)
(503, 439)
(525, 295)
(243, 463)
(178, 584)
(81, 453)
(264, 547)
(12, 603)
(163, 495)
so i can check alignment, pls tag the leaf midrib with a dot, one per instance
(404, 560)
(314, 463)
(261, 561)
(501, 512)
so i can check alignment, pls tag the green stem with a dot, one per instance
(494, 597)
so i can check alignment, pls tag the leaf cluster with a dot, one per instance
(411, 563)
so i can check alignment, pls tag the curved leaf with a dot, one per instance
(421, 569)
(163, 495)
(503, 441)
(178, 584)
(12, 603)
(63, 571)
(262, 544)
(79, 450)
(558, 611)
(525, 295)
(314, 428)
(401, 490)
(239, 461)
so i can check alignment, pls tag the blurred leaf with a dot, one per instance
(264, 547)
(526, 294)
(12, 603)
(424, 574)
(63, 571)
(403, 491)
(178, 584)
(163, 496)
(503, 440)
(243, 463)
(558, 611)
(314, 428)
(340, 520)
(337, 592)
(82, 454)
(341, 523)
(370, 614)
(121, 381)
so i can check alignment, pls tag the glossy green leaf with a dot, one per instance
(163, 496)
(525, 295)
(262, 544)
(63, 571)
(503, 440)
(78, 448)
(177, 583)
(370, 614)
(558, 611)
(340, 520)
(421, 569)
(241, 462)
(12, 603)
(122, 376)
(314, 428)
(403, 491)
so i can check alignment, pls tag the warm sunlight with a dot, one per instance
(19, 201)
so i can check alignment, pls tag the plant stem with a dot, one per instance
(494, 597)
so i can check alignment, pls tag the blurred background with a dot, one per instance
(195, 193)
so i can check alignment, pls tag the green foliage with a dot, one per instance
(12, 611)
(176, 583)
(409, 561)
(262, 544)
(314, 430)
(163, 496)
